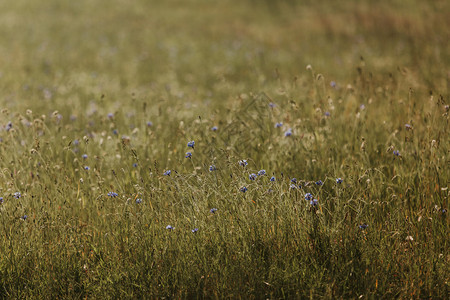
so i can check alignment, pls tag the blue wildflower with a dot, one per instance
(115, 132)
(76, 142)
(110, 115)
(327, 114)
(149, 124)
(408, 127)
(213, 210)
(252, 176)
(212, 168)
(319, 182)
(288, 132)
(362, 107)
(339, 180)
(272, 178)
(84, 156)
(272, 105)
(308, 196)
(1, 200)
(87, 168)
(167, 173)
(138, 201)
(135, 165)
(333, 84)
(113, 194)
(294, 180)
(188, 155)
(243, 163)
(24, 217)
(396, 153)
(314, 202)
(17, 195)
(278, 125)
(214, 128)
(194, 230)
(191, 144)
(261, 172)
(292, 186)
(8, 126)
(243, 189)
(169, 227)
(363, 226)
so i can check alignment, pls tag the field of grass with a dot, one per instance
(319, 167)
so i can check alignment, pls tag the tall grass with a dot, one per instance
(100, 100)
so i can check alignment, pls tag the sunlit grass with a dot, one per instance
(348, 103)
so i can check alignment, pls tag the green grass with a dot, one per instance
(187, 66)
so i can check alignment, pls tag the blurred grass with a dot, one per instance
(187, 66)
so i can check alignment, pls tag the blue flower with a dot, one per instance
(194, 230)
(288, 132)
(87, 168)
(135, 165)
(115, 132)
(272, 105)
(252, 176)
(294, 180)
(113, 194)
(396, 153)
(272, 178)
(339, 180)
(213, 210)
(8, 126)
(212, 168)
(110, 115)
(84, 156)
(188, 155)
(76, 142)
(243, 162)
(191, 144)
(362, 107)
(138, 201)
(261, 172)
(333, 84)
(319, 182)
(292, 186)
(408, 127)
(214, 128)
(314, 202)
(308, 196)
(17, 195)
(24, 217)
(278, 125)
(149, 124)
(1, 200)
(243, 189)
(169, 227)
(167, 173)
(327, 114)
(363, 226)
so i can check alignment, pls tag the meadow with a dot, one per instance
(224, 149)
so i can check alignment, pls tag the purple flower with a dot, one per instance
(194, 230)
(327, 114)
(110, 115)
(292, 186)
(308, 196)
(138, 201)
(149, 124)
(339, 180)
(363, 226)
(188, 155)
(135, 165)
(17, 195)
(167, 173)
(333, 84)
(319, 182)
(396, 153)
(272, 105)
(214, 128)
(272, 178)
(288, 132)
(243, 189)
(212, 168)
(243, 162)
(261, 172)
(314, 202)
(252, 176)
(278, 125)
(408, 127)
(24, 217)
(8, 126)
(294, 180)
(169, 227)
(113, 194)
(1, 200)
(213, 210)
(87, 168)
(84, 156)
(191, 144)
